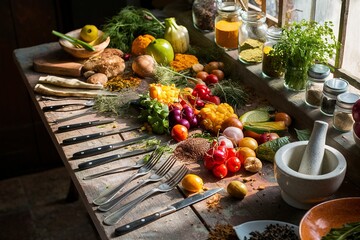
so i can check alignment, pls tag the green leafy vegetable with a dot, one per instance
(346, 232)
(303, 135)
(267, 150)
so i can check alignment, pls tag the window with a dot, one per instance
(342, 13)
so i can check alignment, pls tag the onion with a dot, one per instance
(234, 134)
(184, 122)
(228, 142)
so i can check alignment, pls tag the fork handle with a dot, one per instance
(107, 206)
(116, 216)
(108, 172)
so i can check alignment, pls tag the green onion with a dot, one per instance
(74, 41)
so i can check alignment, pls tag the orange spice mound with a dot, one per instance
(140, 43)
(183, 61)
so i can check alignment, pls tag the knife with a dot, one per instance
(109, 147)
(56, 107)
(87, 137)
(170, 209)
(100, 161)
(60, 120)
(70, 127)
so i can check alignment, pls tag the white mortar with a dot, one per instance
(302, 190)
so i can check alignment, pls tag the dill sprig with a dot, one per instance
(231, 93)
(129, 23)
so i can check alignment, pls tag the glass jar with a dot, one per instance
(227, 23)
(203, 15)
(317, 75)
(332, 88)
(252, 36)
(343, 119)
(272, 66)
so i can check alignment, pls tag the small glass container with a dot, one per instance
(227, 23)
(317, 75)
(203, 15)
(343, 119)
(272, 66)
(252, 37)
(332, 88)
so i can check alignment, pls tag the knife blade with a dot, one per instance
(60, 120)
(87, 137)
(170, 209)
(74, 126)
(109, 147)
(100, 161)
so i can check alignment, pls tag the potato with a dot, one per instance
(97, 78)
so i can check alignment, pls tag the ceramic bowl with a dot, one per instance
(81, 52)
(303, 191)
(319, 220)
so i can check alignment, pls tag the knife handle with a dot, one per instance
(99, 161)
(83, 138)
(92, 151)
(142, 222)
(75, 126)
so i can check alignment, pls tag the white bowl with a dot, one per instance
(82, 52)
(303, 191)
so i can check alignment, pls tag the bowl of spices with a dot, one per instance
(330, 218)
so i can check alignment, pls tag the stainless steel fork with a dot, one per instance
(109, 194)
(171, 183)
(155, 177)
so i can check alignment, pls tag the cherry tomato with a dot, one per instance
(220, 170)
(281, 116)
(231, 152)
(179, 132)
(233, 164)
(211, 79)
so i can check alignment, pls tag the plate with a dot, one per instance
(244, 230)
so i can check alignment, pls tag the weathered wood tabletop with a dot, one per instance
(262, 202)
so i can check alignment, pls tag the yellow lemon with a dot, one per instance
(89, 33)
(192, 183)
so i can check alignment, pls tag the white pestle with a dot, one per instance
(312, 159)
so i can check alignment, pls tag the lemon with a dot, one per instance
(89, 33)
(192, 183)
(237, 189)
(255, 116)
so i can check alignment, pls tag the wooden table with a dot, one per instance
(262, 202)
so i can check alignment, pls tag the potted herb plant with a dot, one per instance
(301, 45)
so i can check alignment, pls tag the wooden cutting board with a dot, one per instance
(59, 63)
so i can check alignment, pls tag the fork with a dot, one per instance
(155, 177)
(109, 194)
(171, 183)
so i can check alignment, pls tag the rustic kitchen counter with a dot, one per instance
(262, 202)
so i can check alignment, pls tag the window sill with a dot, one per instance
(283, 100)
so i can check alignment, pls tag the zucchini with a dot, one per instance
(263, 127)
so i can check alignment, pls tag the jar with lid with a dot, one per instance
(227, 23)
(272, 66)
(332, 88)
(343, 119)
(203, 15)
(252, 36)
(317, 75)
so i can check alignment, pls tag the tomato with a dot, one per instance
(179, 132)
(245, 152)
(281, 116)
(211, 79)
(248, 142)
(220, 170)
(231, 152)
(233, 164)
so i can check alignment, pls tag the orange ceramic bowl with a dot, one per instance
(319, 220)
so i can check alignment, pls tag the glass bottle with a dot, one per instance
(252, 36)
(343, 119)
(227, 23)
(332, 88)
(272, 66)
(317, 75)
(203, 15)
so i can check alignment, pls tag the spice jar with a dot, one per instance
(203, 14)
(272, 66)
(227, 23)
(317, 75)
(332, 88)
(252, 36)
(343, 119)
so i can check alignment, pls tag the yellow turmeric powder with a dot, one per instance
(183, 61)
(119, 83)
(227, 34)
(140, 43)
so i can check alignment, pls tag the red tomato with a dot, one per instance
(220, 171)
(179, 132)
(233, 164)
(231, 152)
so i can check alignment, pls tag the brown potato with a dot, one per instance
(97, 78)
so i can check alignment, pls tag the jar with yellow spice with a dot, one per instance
(252, 36)
(227, 23)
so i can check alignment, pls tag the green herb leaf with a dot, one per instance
(303, 135)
